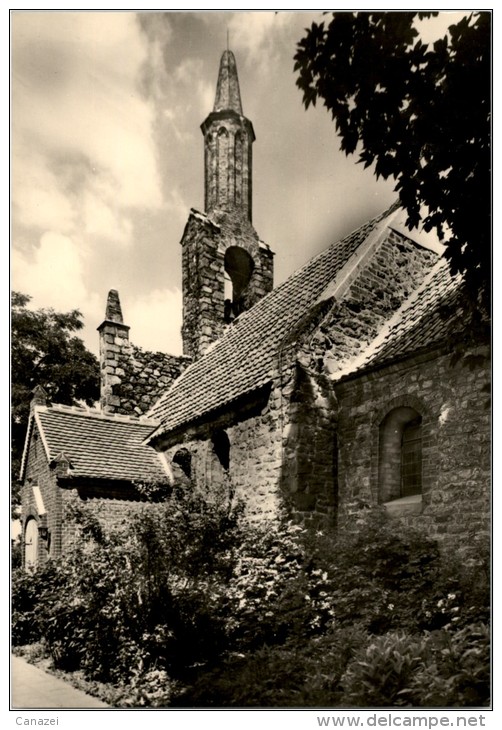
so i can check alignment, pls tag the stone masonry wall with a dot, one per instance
(204, 242)
(275, 463)
(456, 433)
(255, 463)
(375, 293)
(132, 378)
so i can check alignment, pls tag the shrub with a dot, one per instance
(295, 674)
(456, 672)
(439, 669)
(381, 670)
(28, 592)
(189, 594)
(144, 594)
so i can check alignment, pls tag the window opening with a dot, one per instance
(183, 458)
(400, 455)
(411, 460)
(239, 268)
(221, 447)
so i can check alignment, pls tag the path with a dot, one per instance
(32, 688)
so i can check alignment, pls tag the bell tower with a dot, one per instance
(228, 139)
(226, 268)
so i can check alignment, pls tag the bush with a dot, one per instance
(382, 670)
(295, 674)
(381, 569)
(29, 592)
(457, 670)
(440, 669)
(188, 603)
(144, 595)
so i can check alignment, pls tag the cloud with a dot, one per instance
(55, 273)
(156, 319)
(37, 198)
(104, 221)
(257, 33)
(77, 108)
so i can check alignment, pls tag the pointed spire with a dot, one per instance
(113, 308)
(228, 95)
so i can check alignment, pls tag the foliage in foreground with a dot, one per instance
(188, 604)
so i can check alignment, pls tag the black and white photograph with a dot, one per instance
(250, 366)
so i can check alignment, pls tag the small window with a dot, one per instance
(183, 459)
(400, 455)
(411, 459)
(221, 447)
(239, 268)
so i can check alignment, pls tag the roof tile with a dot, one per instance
(426, 319)
(242, 359)
(101, 446)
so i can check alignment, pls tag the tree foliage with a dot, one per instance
(46, 352)
(420, 114)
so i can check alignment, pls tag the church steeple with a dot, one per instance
(228, 137)
(228, 95)
(226, 268)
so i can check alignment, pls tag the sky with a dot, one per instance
(107, 155)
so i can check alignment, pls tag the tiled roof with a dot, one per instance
(100, 446)
(426, 319)
(243, 358)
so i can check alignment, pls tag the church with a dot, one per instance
(336, 390)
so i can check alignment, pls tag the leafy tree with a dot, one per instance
(45, 351)
(419, 114)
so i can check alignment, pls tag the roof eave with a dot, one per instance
(223, 416)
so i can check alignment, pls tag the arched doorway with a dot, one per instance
(31, 543)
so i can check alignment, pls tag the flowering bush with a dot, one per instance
(145, 594)
(188, 603)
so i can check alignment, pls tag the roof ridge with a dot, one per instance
(440, 268)
(96, 413)
(285, 307)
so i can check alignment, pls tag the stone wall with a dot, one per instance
(132, 379)
(205, 241)
(376, 291)
(255, 462)
(456, 435)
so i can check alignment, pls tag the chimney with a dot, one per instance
(39, 398)
(113, 348)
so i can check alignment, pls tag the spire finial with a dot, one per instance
(227, 39)
(228, 95)
(113, 308)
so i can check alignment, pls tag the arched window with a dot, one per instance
(238, 169)
(221, 447)
(222, 158)
(31, 544)
(183, 459)
(400, 455)
(238, 269)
